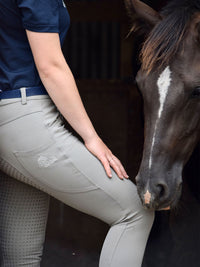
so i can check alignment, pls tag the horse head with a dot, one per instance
(169, 80)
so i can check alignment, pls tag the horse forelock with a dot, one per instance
(167, 37)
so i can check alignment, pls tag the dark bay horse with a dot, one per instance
(169, 80)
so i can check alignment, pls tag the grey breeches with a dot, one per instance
(36, 149)
(23, 216)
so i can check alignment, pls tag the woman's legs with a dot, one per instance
(115, 202)
(51, 158)
(23, 216)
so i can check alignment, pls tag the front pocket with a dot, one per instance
(51, 167)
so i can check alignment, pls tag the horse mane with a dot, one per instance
(167, 37)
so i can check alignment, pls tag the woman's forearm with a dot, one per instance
(60, 84)
(59, 81)
(62, 88)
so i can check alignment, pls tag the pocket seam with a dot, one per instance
(33, 151)
(22, 154)
(18, 117)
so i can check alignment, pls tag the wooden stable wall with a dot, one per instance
(103, 62)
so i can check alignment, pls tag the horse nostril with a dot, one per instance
(162, 192)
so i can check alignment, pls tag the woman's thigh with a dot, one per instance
(52, 159)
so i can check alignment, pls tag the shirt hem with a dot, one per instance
(41, 28)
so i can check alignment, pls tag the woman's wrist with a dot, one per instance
(90, 137)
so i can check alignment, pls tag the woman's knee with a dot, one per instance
(136, 216)
(132, 210)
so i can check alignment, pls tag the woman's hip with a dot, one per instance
(30, 127)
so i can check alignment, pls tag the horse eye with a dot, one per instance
(196, 92)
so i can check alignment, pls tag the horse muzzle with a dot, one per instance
(158, 194)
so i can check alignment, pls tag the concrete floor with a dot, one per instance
(73, 239)
(58, 255)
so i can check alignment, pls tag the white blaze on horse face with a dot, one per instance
(163, 83)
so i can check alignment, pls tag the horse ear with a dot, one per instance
(142, 11)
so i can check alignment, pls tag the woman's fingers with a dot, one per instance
(103, 153)
(125, 175)
(106, 165)
(117, 167)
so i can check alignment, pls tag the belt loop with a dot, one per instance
(23, 95)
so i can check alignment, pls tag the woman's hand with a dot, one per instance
(102, 152)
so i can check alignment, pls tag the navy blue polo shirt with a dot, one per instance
(17, 67)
